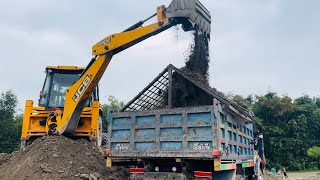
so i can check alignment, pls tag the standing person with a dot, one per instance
(284, 172)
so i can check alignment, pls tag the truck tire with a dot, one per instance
(104, 139)
(240, 177)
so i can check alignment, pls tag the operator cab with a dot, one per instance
(58, 80)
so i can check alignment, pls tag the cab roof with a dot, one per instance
(65, 67)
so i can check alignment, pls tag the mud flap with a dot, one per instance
(108, 162)
(198, 17)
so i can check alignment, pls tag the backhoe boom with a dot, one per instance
(66, 121)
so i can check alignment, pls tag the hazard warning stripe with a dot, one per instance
(202, 174)
(136, 170)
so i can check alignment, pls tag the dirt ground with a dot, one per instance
(294, 176)
(56, 157)
(304, 175)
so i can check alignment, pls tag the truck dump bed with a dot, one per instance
(192, 132)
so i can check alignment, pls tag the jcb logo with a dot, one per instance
(106, 41)
(81, 89)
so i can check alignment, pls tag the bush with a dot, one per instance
(271, 164)
(296, 166)
(312, 166)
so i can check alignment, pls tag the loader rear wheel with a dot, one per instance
(23, 145)
(98, 140)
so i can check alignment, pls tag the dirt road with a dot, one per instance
(295, 176)
(304, 175)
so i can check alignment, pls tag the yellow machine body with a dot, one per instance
(37, 117)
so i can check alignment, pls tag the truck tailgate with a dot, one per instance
(176, 133)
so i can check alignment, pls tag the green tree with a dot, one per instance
(314, 153)
(9, 129)
(116, 106)
(291, 127)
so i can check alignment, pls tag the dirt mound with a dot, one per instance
(3, 157)
(56, 157)
(185, 93)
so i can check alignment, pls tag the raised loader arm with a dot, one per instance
(190, 13)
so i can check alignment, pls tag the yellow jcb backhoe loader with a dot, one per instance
(69, 102)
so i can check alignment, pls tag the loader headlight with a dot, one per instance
(174, 169)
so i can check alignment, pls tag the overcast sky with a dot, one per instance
(256, 46)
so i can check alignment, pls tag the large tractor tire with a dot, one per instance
(98, 141)
(23, 145)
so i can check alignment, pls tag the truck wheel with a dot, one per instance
(104, 139)
(250, 177)
(240, 177)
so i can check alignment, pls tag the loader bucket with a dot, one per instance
(192, 14)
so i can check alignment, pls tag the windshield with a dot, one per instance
(60, 84)
(55, 87)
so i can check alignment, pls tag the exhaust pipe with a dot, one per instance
(192, 14)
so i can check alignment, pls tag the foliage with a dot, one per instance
(10, 128)
(290, 127)
(314, 152)
(114, 104)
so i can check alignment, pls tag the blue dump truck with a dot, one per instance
(198, 142)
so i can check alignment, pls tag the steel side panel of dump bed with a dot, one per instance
(182, 132)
